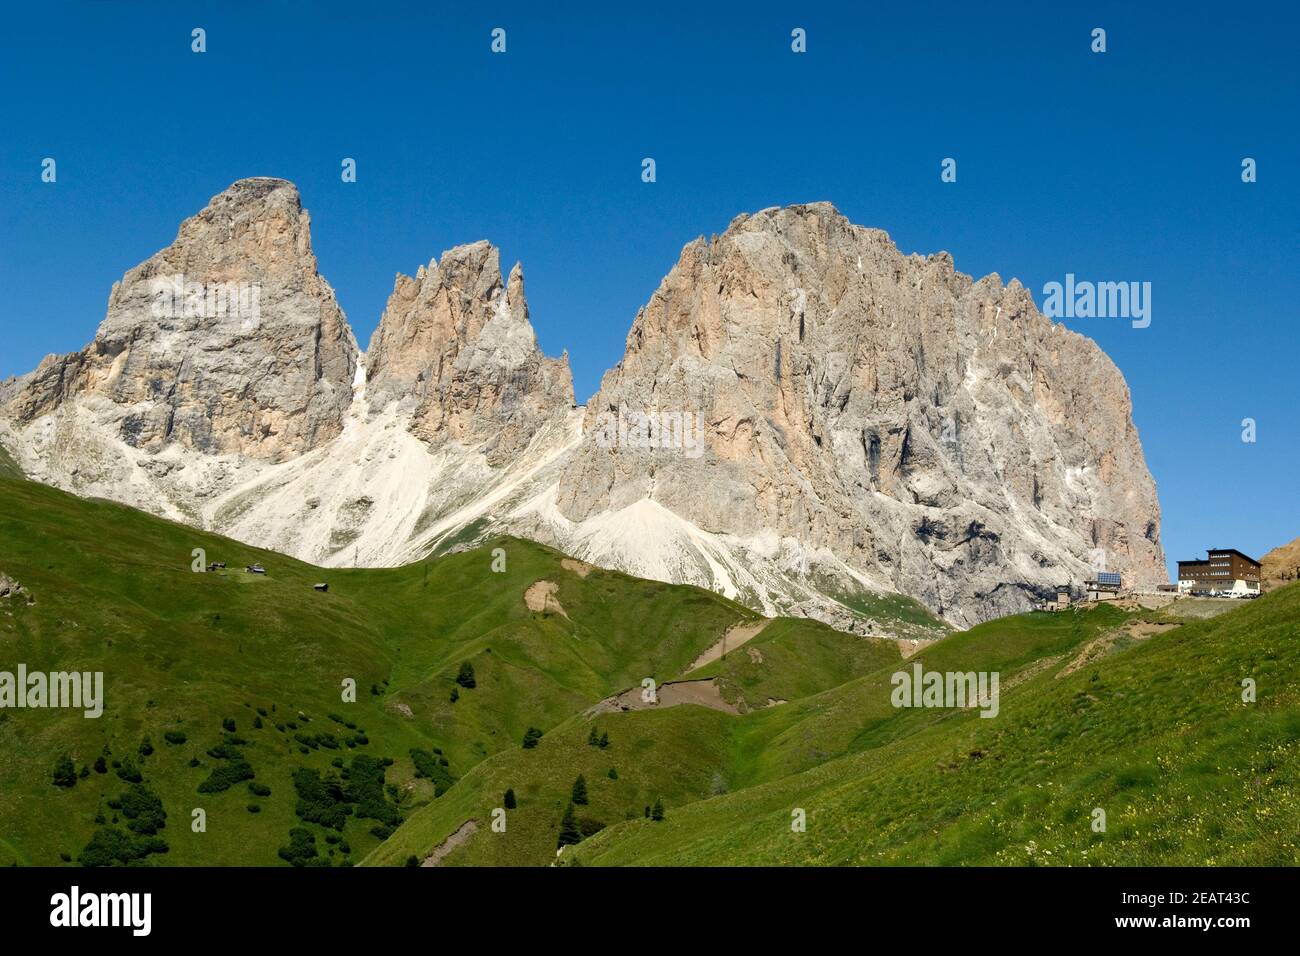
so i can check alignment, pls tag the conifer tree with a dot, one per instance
(569, 832)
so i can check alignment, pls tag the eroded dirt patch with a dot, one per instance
(540, 597)
(453, 842)
(580, 568)
(705, 693)
(907, 646)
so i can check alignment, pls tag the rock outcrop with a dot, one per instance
(933, 434)
(11, 588)
(228, 340)
(1281, 566)
(457, 345)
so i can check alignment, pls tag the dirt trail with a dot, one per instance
(736, 635)
(1101, 646)
(455, 841)
(706, 693)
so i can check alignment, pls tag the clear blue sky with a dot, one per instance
(1121, 166)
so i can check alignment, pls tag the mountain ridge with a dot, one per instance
(836, 456)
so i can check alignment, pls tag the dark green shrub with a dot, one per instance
(226, 776)
(466, 676)
(65, 772)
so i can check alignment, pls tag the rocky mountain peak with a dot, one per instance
(930, 432)
(228, 340)
(456, 344)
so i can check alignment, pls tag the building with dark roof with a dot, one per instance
(1220, 571)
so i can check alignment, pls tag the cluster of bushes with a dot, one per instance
(433, 766)
(330, 799)
(233, 769)
(321, 800)
(110, 846)
(225, 751)
(174, 737)
(366, 790)
(316, 741)
(64, 773)
(309, 742)
(340, 720)
(531, 736)
(301, 850)
(601, 741)
(142, 808)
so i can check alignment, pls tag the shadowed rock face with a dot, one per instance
(457, 345)
(933, 430)
(869, 419)
(228, 340)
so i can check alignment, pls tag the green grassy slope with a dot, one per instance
(8, 467)
(838, 690)
(1150, 729)
(181, 652)
(1156, 735)
(675, 754)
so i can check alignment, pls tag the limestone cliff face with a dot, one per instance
(924, 428)
(228, 340)
(458, 345)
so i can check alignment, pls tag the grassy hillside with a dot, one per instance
(1155, 734)
(8, 467)
(181, 652)
(226, 693)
